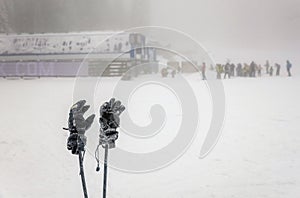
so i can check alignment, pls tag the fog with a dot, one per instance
(236, 29)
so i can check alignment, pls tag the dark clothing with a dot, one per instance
(232, 68)
(288, 67)
(267, 65)
(252, 69)
(271, 71)
(173, 73)
(277, 69)
(259, 70)
(239, 70)
(227, 71)
(289, 71)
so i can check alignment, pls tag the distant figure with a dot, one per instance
(246, 70)
(219, 70)
(203, 70)
(227, 70)
(232, 68)
(277, 69)
(259, 68)
(173, 73)
(267, 65)
(288, 67)
(252, 69)
(271, 71)
(164, 72)
(239, 71)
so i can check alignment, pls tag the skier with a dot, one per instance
(246, 71)
(164, 72)
(259, 68)
(271, 71)
(267, 65)
(277, 69)
(239, 70)
(252, 69)
(219, 70)
(288, 67)
(173, 73)
(232, 69)
(227, 70)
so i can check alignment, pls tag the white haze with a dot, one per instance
(238, 30)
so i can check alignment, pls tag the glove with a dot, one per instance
(76, 119)
(109, 121)
(77, 126)
(76, 143)
(110, 114)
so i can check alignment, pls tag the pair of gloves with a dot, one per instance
(77, 125)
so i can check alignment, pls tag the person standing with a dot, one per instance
(239, 70)
(219, 70)
(173, 73)
(288, 67)
(271, 71)
(164, 72)
(227, 70)
(203, 70)
(252, 69)
(232, 69)
(277, 69)
(259, 68)
(245, 70)
(267, 65)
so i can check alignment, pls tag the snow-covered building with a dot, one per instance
(70, 50)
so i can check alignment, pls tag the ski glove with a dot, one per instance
(76, 119)
(77, 126)
(109, 114)
(109, 121)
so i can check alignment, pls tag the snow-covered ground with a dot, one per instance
(258, 154)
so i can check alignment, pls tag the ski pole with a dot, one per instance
(82, 175)
(105, 170)
(76, 142)
(109, 122)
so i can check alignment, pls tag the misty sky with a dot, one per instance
(234, 26)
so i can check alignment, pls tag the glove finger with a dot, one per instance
(104, 108)
(89, 121)
(111, 102)
(84, 109)
(116, 106)
(115, 122)
(121, 109)
(78, 105)
(71, 119)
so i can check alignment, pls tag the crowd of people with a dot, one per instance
(165, 72)
(246, 70)
(229, 70)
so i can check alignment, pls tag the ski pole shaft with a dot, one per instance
(82, 175)
(105, 170)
